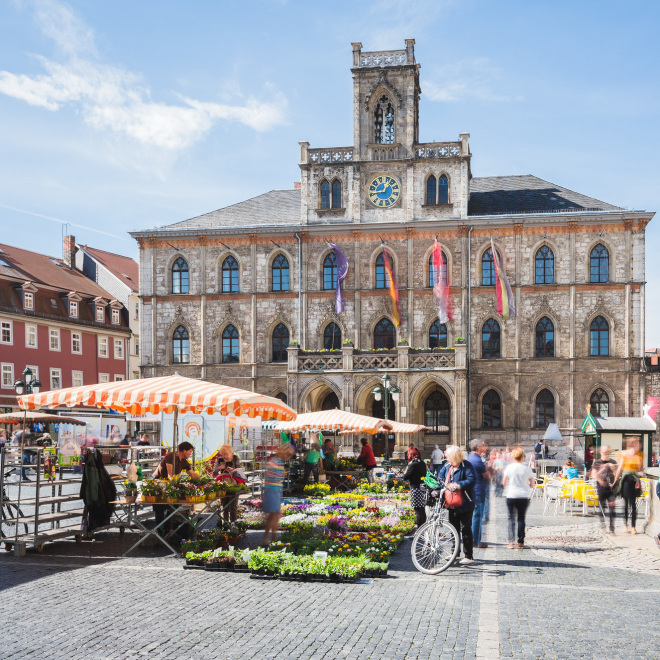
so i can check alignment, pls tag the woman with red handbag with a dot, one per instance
(460, 479)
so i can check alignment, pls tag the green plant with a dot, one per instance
(317, 489)
(460, 339)
(152, 488)
(130, 487)
(348, 342)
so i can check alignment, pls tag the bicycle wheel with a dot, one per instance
(434, 547)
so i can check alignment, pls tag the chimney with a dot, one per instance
(296, 185)
(69, 251)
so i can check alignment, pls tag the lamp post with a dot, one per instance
(383, 391)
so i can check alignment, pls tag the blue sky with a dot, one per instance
(126, 115)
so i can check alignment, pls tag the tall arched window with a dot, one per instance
(181, 346)
(336, 194)
(444, 271)
(280, 342)
(332, 337)
(545, 338)
(431, 190)
(382, 276)
(384, 334)
(330, 272)
(384, 121)
(325, 194)
(436, 412)
(487, 268)
(443, 190)
(280, 270)
(230, 344)
(545, 409)
(330, 402)
(437, 335)
(599, 264)
(230, 275)
(545, 265)
(600, 403)
(180, 282)
(490, 339)
(599, 333)
(491, 410)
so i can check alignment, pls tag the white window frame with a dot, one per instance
(36, 336)
(54, 332)
(100, 312)
(28, 300)
(119, 378)
(118, 344)
(10, 371)
(74, 375)
(54, 372)
(73, 308)
(104, 378)
(116, 318)
(103, 341)
(77, 335)
(7, 325)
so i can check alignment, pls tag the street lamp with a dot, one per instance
(381, 392)
(28, 384)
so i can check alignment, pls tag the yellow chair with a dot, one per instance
(645, 497)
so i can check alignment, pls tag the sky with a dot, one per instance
(119, 116)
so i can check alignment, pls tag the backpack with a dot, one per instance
(538, 447)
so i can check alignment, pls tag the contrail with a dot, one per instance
(64, 222)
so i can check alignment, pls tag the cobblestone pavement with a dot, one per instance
(83, 602)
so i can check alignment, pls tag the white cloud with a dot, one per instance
(112, 98)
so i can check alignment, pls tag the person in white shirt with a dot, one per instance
(518, 482)
(436, 458)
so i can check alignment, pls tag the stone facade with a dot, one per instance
(520, 214)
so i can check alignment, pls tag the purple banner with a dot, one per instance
(342, 271)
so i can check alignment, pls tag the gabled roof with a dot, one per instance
(277, 207)
(125, 269)
(42, 269)
(504, 195)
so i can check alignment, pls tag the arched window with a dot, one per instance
(545, 409)
(181, 346)
(332, 337)
(384, 334)
(491, 410)
(545, 338)
(282, 397)
(487, 268)
(325, 194)
(330, 402)
(382, 276)
(330, 272)
(336, 194)
(600, 403)
(280, 270)
(431, 190)
(436, 412)
(444, 271)
(437, 335)
(180, 282)
(230, 344)
(545, 265)
(600, 337)
(490, 339)
(384, 122)
(230, 275)
(443, 190)
(280, 343)
(599, 264)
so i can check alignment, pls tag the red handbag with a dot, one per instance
(453, 498)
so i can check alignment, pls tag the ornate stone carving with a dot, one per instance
(382, 85)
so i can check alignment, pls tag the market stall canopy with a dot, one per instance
(336, 420)
(400, 427)
(37, 418)
(166, 394)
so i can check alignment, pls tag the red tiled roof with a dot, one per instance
(124, 268)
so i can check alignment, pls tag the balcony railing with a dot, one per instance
(349, 359)
(328, 156)
(438, 150)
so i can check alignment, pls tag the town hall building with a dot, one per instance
(245, 295)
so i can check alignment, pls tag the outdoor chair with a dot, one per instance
(645, 497)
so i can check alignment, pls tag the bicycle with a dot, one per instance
(435, 544)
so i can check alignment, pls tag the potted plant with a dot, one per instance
(151, 491)
(171, 493)
(130, 491)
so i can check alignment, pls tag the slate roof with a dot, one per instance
(277, 207)
(125, 269)
(503, 195)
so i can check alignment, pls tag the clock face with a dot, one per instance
(383, 190)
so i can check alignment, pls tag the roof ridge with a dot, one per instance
(114, 254)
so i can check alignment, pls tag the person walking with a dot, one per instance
(518, 482)
(313, 462)
(630, 464)
(458, 475)
(272, 498)
(437, 457)
(415, 473)
(367, 460)
(479, 449)
(604, 471)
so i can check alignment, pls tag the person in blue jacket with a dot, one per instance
(458, 474)
(479, 450)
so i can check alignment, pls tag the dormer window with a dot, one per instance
(100, 314)
(28, 300)
(115, 316)
(384, 121)
(53, 303)
(73, 308)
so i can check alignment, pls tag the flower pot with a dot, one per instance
(171, 500)
(189, 498)
(130, 499)
(151, 499)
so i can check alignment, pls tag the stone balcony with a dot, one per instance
(402, 358)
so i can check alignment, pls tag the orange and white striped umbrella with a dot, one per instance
(335, 420)
(167, 393)
(400, 427)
